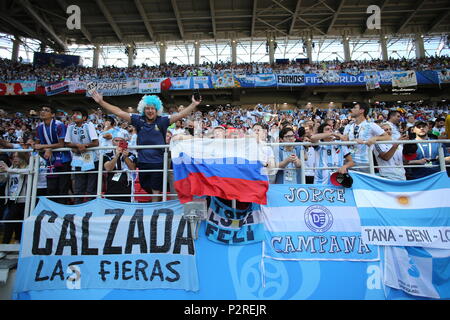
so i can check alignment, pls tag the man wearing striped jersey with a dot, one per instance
(365, 134)
(330, 156)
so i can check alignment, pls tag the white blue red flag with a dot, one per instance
(227, 168)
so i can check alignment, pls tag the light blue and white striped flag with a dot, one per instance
(314, 222)
(418, 271)
(404, 213)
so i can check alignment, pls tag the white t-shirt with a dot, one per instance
(396, 160)
(364, 131)
(311, 152)
(395, 132)
(82, 135)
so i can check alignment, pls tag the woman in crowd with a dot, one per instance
(15, 189)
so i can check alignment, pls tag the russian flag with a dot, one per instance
(226, 168)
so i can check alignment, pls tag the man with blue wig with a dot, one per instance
(151, 130)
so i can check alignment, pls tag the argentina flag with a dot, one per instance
(201, 83)
(418, 271)
(404, 213)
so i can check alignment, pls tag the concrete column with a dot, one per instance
(131, 50)
(384, 49)
(162, 52)
(96, 58)
(42, 48)
(309, 51)
(271, 50)
(15, 50)
(233, 51)
(420, 46)
(346, 44)
(197, 52)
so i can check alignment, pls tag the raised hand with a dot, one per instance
(98, 97)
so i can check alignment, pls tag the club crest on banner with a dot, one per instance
(318, 218)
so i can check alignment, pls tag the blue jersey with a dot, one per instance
(429, 151)
(150, 134)
(51, 135)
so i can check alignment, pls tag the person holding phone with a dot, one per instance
(120, 160)
(288, 159)
(390, 155)
(151, 129)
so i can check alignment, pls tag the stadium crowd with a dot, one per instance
(110, 126)
(130, 172)
(10, 71)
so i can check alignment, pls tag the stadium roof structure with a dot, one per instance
(112, 22)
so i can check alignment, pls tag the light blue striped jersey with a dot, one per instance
(364, 131)
(328, 156)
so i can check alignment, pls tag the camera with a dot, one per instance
(123, 145)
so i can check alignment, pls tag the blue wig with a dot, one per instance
(151, 100)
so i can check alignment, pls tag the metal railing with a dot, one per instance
(33, 173)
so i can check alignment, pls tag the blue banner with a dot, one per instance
(234, 226)
(56, 88)
(234, 273)
(314, 223)
(245, 80)
(105, 244)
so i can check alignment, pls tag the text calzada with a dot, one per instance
(104, 244)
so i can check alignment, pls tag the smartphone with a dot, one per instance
(197, 96)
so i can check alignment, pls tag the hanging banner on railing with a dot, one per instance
(245, 80)
(56, 88)
(114, 87)
(372, 80)
(239, 226)
(291, 80)
(77, 85)
(180, 83)
(225, 80)
(27, 86)
(444, 76)
(150, 85)
(17, 88)
(404, 79)
(265, 80)
(406, 213)
(201, 83)
(314, 223)
(107, 244)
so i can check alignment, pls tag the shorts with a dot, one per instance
(151, 180)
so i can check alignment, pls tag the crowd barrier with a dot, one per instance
(33, 173)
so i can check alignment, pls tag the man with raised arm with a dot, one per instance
(365, 134)
(151, 130)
